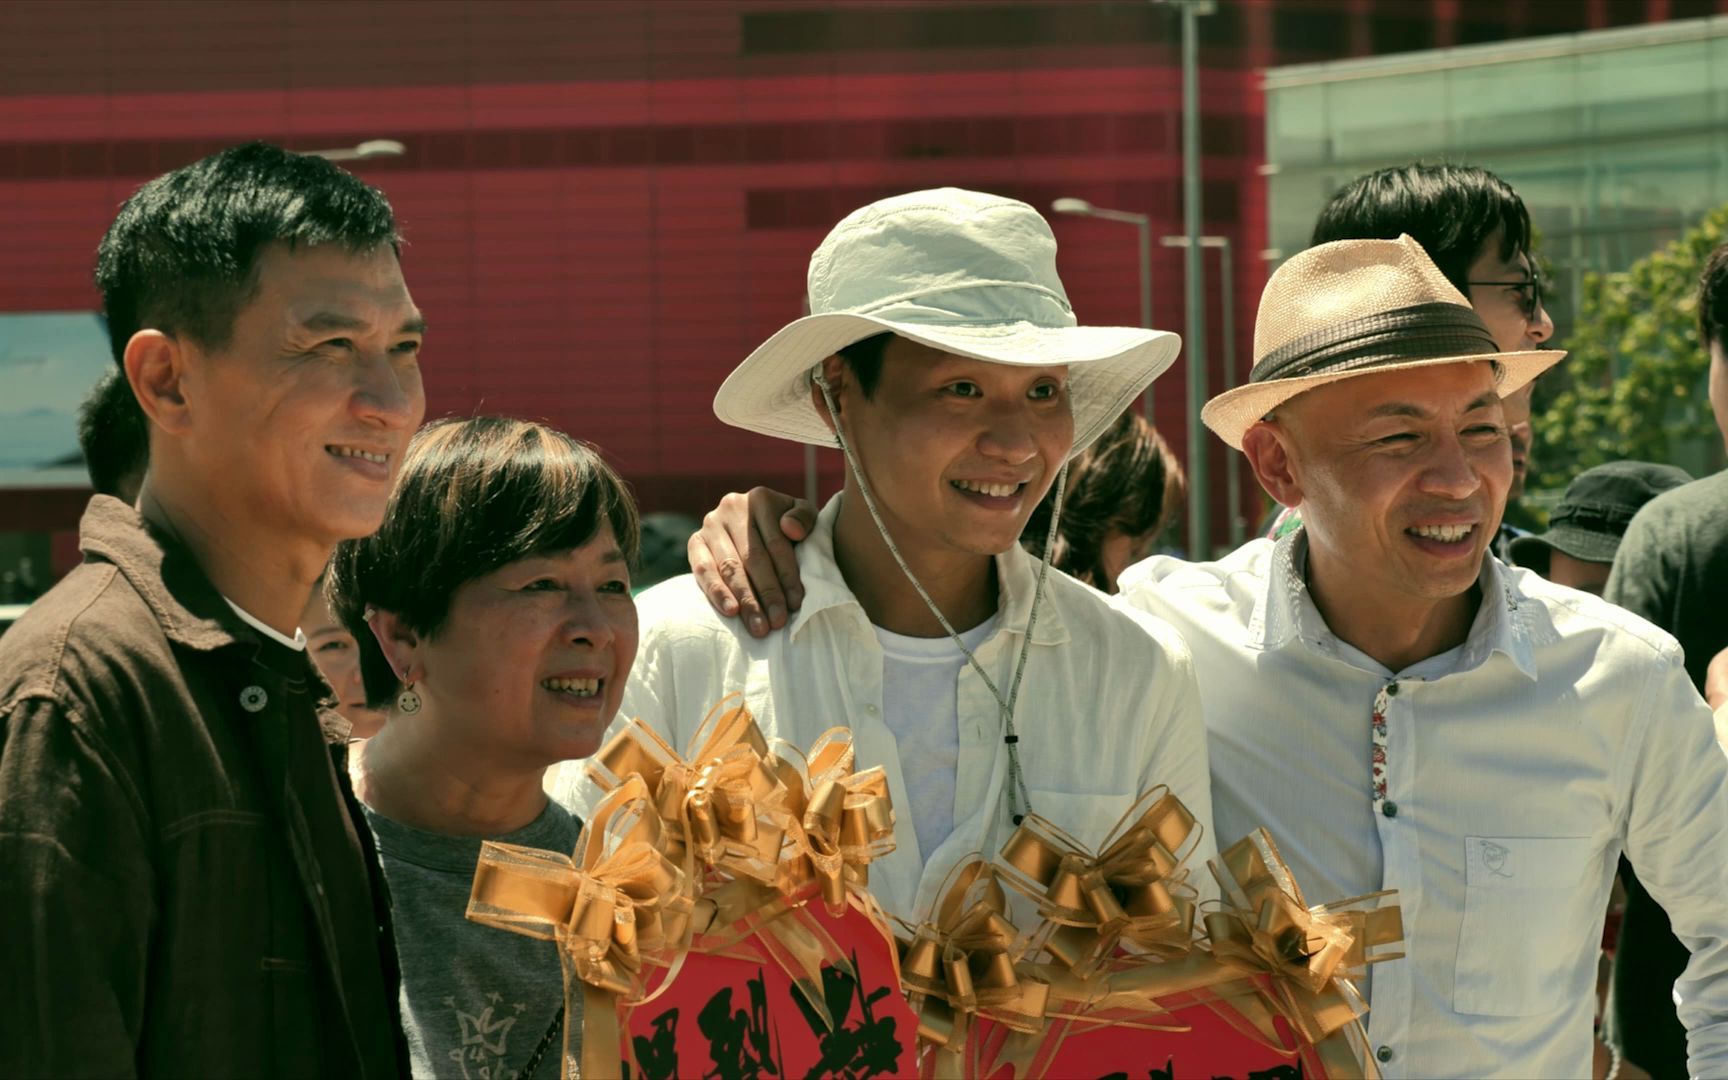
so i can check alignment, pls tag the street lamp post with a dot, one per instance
(1194, 332)
(1143, 223)
(1227, 300)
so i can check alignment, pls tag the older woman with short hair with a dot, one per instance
(496, 626)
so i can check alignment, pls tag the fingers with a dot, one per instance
(714, 558)
(771, 561)
(767, 556)
(704, 566)
(744, 558)
(797, 522)
(723, 547)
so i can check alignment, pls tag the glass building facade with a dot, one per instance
(1616, 139)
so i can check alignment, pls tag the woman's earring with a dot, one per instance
(408, 702)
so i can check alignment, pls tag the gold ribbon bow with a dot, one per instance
(1134, 890)
(624, 907)
(960, 963)
(1311, 954)
(722, 803)
(844, 818)
(744, 813)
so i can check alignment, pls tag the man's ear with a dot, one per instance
(155, 365)
(1267, 446)
(400, 645)
(834, 371)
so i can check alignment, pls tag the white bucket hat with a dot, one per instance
(959, 271)
(1359, 307)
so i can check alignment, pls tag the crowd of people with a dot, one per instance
(317, 653)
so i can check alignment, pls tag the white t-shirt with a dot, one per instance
(921, 706)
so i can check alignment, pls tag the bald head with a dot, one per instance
(1402, 475)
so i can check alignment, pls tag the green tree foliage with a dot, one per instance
(1635, 379)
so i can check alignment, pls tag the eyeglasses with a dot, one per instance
(1529, 292)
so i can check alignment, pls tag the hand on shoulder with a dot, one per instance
(744, 557)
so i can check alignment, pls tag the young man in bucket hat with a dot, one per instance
(942, 356)
(1405, 712)
(1585, 527)
(1409, 713)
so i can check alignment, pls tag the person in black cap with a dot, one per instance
(1584, 530)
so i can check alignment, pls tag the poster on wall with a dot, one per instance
(49, 360)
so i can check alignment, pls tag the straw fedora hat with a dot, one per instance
(962, 272)
(1359, 307)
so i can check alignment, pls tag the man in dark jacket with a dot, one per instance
(185, 892)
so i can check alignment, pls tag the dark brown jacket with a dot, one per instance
(182, 889)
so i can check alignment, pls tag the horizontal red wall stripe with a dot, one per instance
(524, 150)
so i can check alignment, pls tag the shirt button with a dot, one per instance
(1390, 809)
(1391, 691)
(1384, 1053)
(871, 709)
(253, 699)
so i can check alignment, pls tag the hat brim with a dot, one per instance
(1582, 544)
(1109, 366)
(1233, 412)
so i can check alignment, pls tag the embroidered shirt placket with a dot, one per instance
(1382, 702)
(1392, 760)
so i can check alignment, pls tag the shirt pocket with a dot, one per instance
(1086, 817)
(1524, 924)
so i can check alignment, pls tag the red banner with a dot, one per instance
(737, 1016)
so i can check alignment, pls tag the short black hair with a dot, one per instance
(864, 358)
(1713, 300)
(115, 437)
(474, 495)
(182, 255)
(1451, 210)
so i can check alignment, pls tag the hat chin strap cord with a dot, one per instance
(1019, 800)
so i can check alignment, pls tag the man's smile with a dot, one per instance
(984, 487)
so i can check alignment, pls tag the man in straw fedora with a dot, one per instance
(942, 357)
(1409, 713)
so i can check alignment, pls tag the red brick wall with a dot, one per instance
(609, 203)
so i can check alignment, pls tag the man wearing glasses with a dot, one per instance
(1477, 231)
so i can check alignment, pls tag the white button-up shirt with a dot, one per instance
(1517, 768)
(1108, 706)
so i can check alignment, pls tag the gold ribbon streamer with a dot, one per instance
(1271, 955)
(959, 963)
(722, 802)
(1300, 960)
(844, 819)
(781, 827)
(1133, 891)
(621, 909)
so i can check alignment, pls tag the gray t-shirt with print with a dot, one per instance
(476, 1000)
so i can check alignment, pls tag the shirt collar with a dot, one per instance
(297, 642)
(165, 574)
(1285, 611)
(1503, 623)
(826, 590)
